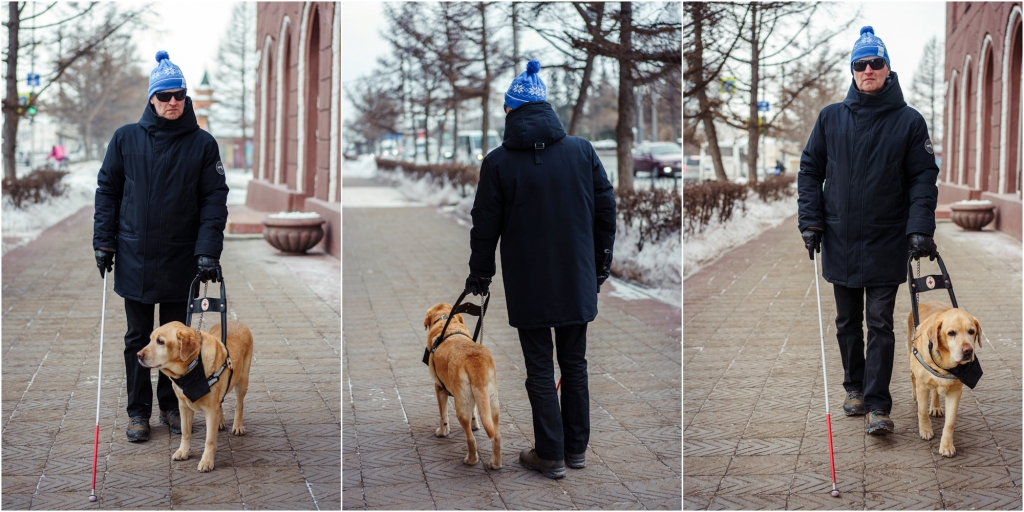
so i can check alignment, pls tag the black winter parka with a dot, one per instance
(874, 156)
(547, 198)
(161, 201)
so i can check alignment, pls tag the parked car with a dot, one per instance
(604, 144)
(660, 158)
(692, 170)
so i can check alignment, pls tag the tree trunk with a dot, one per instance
(515, 39)
(581, 100)
(704, 104)
(10, 107)
(485, 119)
(426, 129)
(455, 128)
(753, 134)
(623, 127)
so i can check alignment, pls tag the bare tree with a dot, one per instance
(812, 85)
(376, 101)
(778, 34)
(235, 76)
(113, 18)
(927, 88)
(101, 93)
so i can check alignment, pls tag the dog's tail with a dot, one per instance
(487, 403)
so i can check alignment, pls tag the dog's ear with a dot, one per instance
(977, 330)
(189, 343)
(460, 319)
(426, 321)
(934, 331)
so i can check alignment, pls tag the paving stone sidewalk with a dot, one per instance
(398, 262)
(290, 455)
(754, 414)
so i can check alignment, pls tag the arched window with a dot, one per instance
(983, 121)
(309, 100)
(1010, 118)
(950, 149)
(266, 72)
(963, 133)
(281, 121)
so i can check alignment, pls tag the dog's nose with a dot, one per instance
(968, 353)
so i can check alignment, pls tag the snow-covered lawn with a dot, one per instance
(656, 269)
(718, 238)
(21, 226)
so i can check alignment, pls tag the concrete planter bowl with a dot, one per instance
(972, 215)
(293, 232)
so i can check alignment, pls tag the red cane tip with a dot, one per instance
(835, 493)
(92, 498)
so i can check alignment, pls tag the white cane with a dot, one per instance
(828, 415)
(99, 386)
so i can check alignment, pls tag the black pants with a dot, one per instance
(566, 429)
(140, 326)
(870, 374)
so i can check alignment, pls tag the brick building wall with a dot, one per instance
(982, 140)
(296, 150)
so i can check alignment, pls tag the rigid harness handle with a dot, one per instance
(927, 283)
(204, 304)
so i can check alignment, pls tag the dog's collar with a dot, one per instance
(929, 368)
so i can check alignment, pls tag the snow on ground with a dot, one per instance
(718, 238)
(20, 227)
(655, 272)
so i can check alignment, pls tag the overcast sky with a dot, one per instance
(190, 38)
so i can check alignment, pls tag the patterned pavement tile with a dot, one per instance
(759, 484)
(696, 502)
(539, 499)
(748, 502)
(929, 499)
(1001, 498)
(825, 501)
(382, 495)
(205, 494)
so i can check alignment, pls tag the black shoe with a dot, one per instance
(854, 404)
(553, 469)
(172, 419)
(138, 429)
(879, 423)
(576, 461)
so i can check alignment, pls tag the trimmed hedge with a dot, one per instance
(702, 200)
(456, 174)
(655, 213)
(36, 187)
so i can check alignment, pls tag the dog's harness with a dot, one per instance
(195, 384)
(459, 307)
(968, 374)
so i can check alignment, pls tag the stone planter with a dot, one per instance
(972, 215)
(292, 232)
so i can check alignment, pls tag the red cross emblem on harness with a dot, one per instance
(205, 304)
(930, 282)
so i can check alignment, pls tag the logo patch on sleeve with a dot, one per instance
(927, 147)
(220, 166)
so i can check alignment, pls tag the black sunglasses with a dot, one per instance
(180, 95)
(861, 65)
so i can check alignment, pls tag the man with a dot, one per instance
(874, 156)
(547, 198)
(161, 206)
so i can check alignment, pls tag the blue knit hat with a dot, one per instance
(526, 87)
(869, 45)
(165, 75)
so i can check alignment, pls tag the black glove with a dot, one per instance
(812, 241)
(209, 268)
(104, 261)
(477, 285)
(604, 269)
(922, 245)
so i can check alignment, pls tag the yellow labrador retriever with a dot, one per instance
(946, 338)
(466, 370)
(172, 347)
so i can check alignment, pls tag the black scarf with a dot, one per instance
(194, 384)
(969, 373)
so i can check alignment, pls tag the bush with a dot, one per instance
(459, 175)
(36, 187)
(655, 213)
(774, 188)
(702, 199)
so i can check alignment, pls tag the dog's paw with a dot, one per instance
(470, 459)
(205, 466)
(180, 455)
(442, 431)
(221, 427)
(493, 465)
(238, 430)
(926, 434)
(475, 424)
(947, 449)
(935, 411)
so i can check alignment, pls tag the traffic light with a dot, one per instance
(31, 110)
